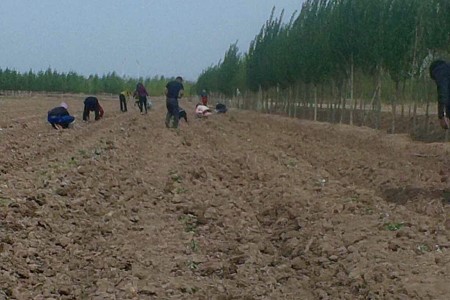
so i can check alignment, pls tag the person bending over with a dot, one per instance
(91, 104)
(59, 116)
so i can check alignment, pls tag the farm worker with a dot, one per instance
(440, 73)
(91, 104)
(204, 97)
(141, 94)
(221, 108)
(123, 98)
(59, 116)
(202, 111)
(174, 91)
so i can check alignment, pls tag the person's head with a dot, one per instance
(434, 65)
(179, 79)
(64, 104)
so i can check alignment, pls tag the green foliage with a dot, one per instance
(224, 77)
(52, 81)
(329, 38)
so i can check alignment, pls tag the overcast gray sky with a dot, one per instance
(131, 37)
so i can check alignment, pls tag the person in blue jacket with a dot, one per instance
(59, 116)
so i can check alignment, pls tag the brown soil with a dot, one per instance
(238, 206)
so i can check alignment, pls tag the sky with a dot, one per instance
(131, 37)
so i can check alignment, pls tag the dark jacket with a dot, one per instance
(440, 73)
(58, 112)
(91, 104)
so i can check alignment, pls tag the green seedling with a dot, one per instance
(291, 163)
(4, 202)
(423, 248)
(394, 226)
(190, 223)
(180, 190)
(369, 211)
(194, 246)
(192, 265)
(83, 153)
(176, 178)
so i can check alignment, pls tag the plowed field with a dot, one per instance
(236, 206)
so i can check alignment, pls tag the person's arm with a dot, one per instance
(181, 92)
(85, 113)
(166, 90)
(100, 111)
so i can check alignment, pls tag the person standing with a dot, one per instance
(440, 73)
(174, 91)
(142, 94)
(91, 104)
(59, 116)
(123, 98)
(204, 97)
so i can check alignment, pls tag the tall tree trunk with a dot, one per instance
(378, 115)
(343, 102)
(352, 104)
(414, 117)
(394, 106)
(315, 102)
(402, 100)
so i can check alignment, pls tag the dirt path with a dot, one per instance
(239, 206)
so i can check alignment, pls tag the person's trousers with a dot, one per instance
(123, 103)
(143, 103)
(172, 112)
(87, 110)
(64, 121)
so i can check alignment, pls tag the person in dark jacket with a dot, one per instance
(440, 73)
(91, 104)
(174, 91)
(221, 108)
(59, 117)
(141, 94)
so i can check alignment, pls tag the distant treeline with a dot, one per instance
(330, 41)
(71, 82)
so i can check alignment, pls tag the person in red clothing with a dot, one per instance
(204, 97)
(142, 94)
